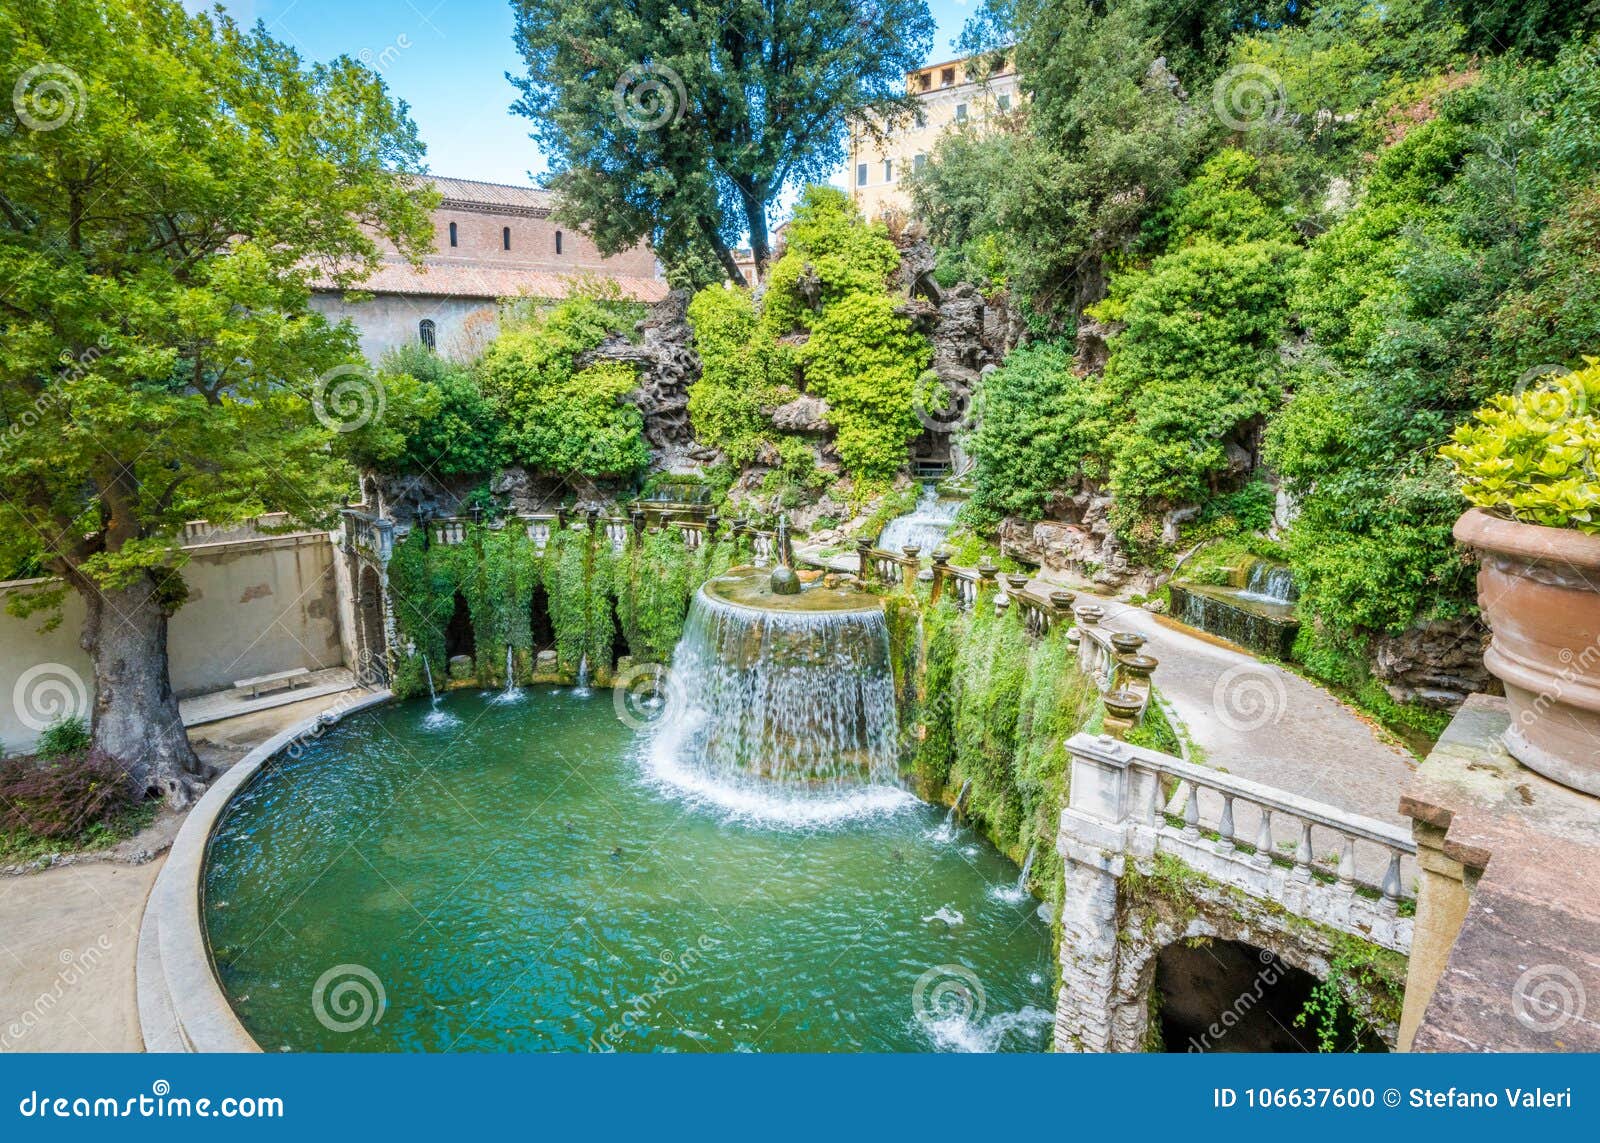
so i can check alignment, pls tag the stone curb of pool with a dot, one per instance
(182, 1007)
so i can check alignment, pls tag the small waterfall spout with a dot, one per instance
(925, 526)
(435, 718)
(433, 695)
(511, 693)
(961, 797)
(1270, 583)
(781, 707)
(583, 675)
(1027, 867)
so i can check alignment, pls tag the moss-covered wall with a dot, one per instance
(592, 594)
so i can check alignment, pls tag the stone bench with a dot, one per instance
(275, 681)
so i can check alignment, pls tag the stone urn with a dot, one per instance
(1540, 593)
(1089, 616)
(1062, 600)
(1123, 704)
(1127, 642)
(1017, 580)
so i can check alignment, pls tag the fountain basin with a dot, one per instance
(1267, 627)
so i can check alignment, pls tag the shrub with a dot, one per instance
(63, 798)
(1529, 455)
(743, 370)
(436, 419)
(62, 737)
(557, 417)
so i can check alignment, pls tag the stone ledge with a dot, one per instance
(182, 1007)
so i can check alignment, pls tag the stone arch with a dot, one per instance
(459, 636)
(544, 631)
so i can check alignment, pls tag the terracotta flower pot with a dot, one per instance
(1540, 593)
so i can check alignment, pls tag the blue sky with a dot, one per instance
(447, 59)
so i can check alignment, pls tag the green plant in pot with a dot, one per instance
(1529, 463)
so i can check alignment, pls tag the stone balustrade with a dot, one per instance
(1137, 802)
(364, 534)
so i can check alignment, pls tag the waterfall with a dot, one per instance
(1027, 867)
(433, 695)
(1270, 582)
(781, 710)
(435, 718)
(925, 526)
(583, 675)
(955, 806)
(511, 693)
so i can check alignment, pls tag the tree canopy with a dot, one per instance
(681, 124)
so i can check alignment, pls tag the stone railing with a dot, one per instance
(877, 565)
(362, 533)
(1336, 867)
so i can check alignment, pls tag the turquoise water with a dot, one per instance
(494, 876)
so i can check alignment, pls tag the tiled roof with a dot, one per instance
(472, 192)
(476, 280)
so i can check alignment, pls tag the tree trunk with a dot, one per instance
(136, 718)
(755, 212)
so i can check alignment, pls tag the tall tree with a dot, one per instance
(171, 183)
(681, 123)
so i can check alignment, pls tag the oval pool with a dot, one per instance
(507, 876)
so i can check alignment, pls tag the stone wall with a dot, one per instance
(255, 606)
(463, 327)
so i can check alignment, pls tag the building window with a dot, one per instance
(861, 174)
(1005, 102)
(558, 242)
(947, 77)
(924, 81)
(919, 162)
(888, 170)
(452, 234)
(961, 113)
(425, 333)
(505, 237)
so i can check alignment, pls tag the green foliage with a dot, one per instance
(1530, 455)
(162, 359)
(743, 372)
(683, 126)
(557, 417)
(859, 356)
(436, 420)
(63, 737)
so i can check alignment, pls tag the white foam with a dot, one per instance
(958, 1033)
(947, 914)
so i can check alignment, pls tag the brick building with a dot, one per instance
(492, 242)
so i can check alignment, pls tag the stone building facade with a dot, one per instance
(492, 243)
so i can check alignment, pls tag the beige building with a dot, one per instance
(491, 242)
(968, 92)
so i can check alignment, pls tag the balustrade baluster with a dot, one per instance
(1191, 812)
(1263, 856)
(1347, 863)
(1302, 853)
(1225, 829)
(1391, 882)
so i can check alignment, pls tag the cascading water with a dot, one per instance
(582, 689)
(781, 706)
(1270, 583)
(435, 718)
(511, 693)
(433, 695)
(925, 526)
